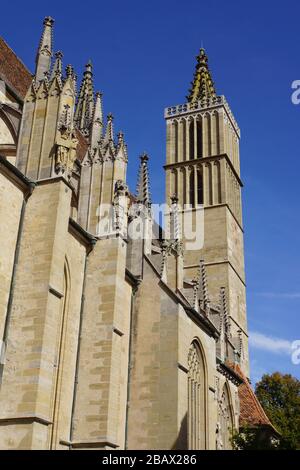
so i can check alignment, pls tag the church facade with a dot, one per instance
(111, 340)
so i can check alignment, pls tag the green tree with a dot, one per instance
(253, 439)
(280, 397)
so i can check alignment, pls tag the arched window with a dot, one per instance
(196, 399)
(191, 138)
(225, 421)
(199, 187)
(199, 140)
(192, 188)
(183, 180)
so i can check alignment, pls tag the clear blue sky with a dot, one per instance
(144, 57)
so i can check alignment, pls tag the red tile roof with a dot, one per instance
(251, 412)
(13, 71)
(82, 145)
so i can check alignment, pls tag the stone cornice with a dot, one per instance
(16, 177)
(26, 419)
(229, 373)
(197, 107)
(196, 161)
(82, 235)
(94, 443)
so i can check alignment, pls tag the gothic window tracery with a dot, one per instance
(196, 399)
(225, 421)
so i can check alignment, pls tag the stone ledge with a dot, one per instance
(26, 419)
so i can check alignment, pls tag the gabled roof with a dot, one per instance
(13, 71)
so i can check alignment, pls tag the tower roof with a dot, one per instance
(202, 85)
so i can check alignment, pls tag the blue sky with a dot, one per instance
(144, 57)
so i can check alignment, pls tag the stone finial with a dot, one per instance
(225, 321)
(202, 86)
(97, 121)
(120, 138)
(69, 71)
(203, 289)
(57, 67)
(121, 148)
(240, 342)
(44, 53)
(109, 131)
(85, 104)
(175, 231)
(98, 114)
(143, 184)
(195, 294)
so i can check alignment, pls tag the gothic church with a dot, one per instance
(110, 341)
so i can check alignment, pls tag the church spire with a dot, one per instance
(85, 103)
(143, 185)
(202, 86)
(44, 53)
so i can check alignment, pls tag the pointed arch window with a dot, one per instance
(192, 188)
(225, 421)
(196, 399)
(199, 187)
(191, 140)
(199, 140)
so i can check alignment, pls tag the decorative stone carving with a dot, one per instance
(66, 144)
(225, 422)
(120, 194)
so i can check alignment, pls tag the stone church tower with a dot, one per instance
(203, 169)
(106, 319)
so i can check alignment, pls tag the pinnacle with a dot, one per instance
(48, 21)
(202, 85)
